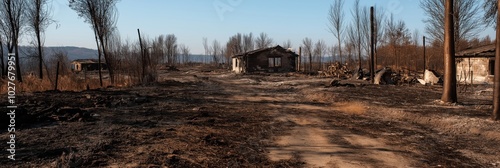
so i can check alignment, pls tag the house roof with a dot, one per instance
(276, 48)
(88, 61)
(482, 51)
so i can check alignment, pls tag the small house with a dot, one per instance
(272, 59)
(476, 65)
(87, 65)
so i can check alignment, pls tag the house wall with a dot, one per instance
(76, 66)
(260, 62)
(237, 65)
(478, 67)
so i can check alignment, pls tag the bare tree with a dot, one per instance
(396, 35)
(332, 51)
(287, 44)
(185, 52)
(12, 21)
(308, 49)
(206, 47)
(38, 19)
(234, 46)
(490, 14)
(416, 42)
(466, 15)
(248, 44)
(450, 81)
(171, 49)
(357, 25)
(336, 22)
(216, 50)
(379, 29)
(102, 16)
(263, 41)
(319, 52)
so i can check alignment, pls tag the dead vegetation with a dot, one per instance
(197, 117)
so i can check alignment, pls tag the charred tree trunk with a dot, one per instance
(496, 92)
(2, 64)
(450, 79)
(99, 59)
(18, 66)
(40, 54)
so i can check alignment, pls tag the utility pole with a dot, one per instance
(425, 62)
(299, 59)
(372, 48)
(143, 55)
(450, 70)
(496, 92)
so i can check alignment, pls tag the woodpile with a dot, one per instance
(338, 70)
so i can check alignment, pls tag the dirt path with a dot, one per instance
(320, 147)
(310, 138)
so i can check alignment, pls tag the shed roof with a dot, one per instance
(88, 61)
(482, 51)
(276, 48)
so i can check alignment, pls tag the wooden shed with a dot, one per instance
(87, 65)
(272, 59)
(476, 65)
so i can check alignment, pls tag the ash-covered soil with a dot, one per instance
(198, 118)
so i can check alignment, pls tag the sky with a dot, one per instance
(192, 20)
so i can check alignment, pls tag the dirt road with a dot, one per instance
(218, 119)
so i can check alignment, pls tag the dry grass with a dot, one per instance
(65, 83)
(353, 107)
(322, 97)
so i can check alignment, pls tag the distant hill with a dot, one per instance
(73, 52)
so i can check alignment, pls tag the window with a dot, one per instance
(235, 62)
(271, 62)
(492, 67)
(274, 62)
(277, 62)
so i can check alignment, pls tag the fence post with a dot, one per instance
(57, 76)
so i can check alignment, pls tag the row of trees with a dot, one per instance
(395, 44)
(17, 15)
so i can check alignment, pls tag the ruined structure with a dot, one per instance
(476, 65)
(86, 65)
(273, 59)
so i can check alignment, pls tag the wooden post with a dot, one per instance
(496, 90)
(372, 48)
(142, 57)
(299, 59)
(57, 76)
(425, 62)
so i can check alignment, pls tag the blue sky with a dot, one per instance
(191, 20)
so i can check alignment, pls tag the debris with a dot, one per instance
(336, 83)
(384, 76)
(338, 70)
(430, 77)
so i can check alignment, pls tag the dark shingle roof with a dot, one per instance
(483, 51)
(278, 48)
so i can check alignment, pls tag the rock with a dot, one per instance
(68, 110)
(140, 100)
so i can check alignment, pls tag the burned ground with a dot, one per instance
(198, 118)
